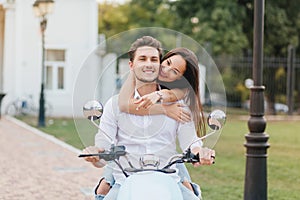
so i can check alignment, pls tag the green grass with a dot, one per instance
(78, 133)
(225, 179)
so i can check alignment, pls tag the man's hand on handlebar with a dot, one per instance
(95, 160)
(206, 156)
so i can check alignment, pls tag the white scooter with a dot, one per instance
(149, 181)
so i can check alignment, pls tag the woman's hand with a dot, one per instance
(147, 100)
(176, 111)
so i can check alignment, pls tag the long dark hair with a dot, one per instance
(189, 80)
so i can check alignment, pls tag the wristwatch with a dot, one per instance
(160, 96)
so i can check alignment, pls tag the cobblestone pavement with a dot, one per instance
(34, 167)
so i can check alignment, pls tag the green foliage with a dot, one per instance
(226, 26)
(112, 18)
(280, 77)
(218, 23)
(235, 88)
(279, 25)
(223, 27)
(150, 13)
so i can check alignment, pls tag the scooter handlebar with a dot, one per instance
(114, 153)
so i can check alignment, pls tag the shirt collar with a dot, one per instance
(137, 94)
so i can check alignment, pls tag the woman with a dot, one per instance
(178, 79)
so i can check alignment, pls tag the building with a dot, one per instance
(71, 34)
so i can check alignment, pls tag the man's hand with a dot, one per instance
(206, 156)
(93, 159)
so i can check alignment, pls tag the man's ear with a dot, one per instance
(130, 65)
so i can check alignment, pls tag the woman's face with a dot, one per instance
(172, 68)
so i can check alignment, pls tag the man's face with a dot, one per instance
(145, 64)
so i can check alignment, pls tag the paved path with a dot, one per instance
(37, 166)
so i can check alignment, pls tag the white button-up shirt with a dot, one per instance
(150, 134)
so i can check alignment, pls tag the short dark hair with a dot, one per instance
(144, 41)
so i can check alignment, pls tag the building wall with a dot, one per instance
(72, 27)
(1, 45)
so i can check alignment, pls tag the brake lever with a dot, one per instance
(189, 157)
(106, 155)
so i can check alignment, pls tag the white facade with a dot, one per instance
(71, 34)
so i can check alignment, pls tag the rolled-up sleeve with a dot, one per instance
(187, 136)
(108, 126)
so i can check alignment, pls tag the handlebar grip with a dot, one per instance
(195, 158)
(113, 154)
(107, 156)
(88, 155)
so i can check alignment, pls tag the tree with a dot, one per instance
(112, 18)
(282, 25)
(150, 13)
(218, 23)
(223, 27)
(280, 29)
(115, 18)
(226, 25)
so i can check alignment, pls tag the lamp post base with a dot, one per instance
(41, 119)
(1, 97)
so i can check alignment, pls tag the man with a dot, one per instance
(155, 134)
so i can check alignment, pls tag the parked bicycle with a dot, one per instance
(26, 106)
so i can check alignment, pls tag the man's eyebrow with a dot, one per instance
(144, 56)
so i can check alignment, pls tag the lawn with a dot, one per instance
(225, 179)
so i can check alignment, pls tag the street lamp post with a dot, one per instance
(41, 9)
(257, 140)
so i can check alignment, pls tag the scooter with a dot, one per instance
(149, 180)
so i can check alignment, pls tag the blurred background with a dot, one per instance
(76, 28)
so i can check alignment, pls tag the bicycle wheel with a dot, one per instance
(11, 110)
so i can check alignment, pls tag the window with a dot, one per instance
(55, 69)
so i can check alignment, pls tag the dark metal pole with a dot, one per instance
(255, 187)
(41, 119)
(1, 97)
(290, 79)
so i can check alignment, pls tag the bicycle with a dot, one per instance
(26, 106)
